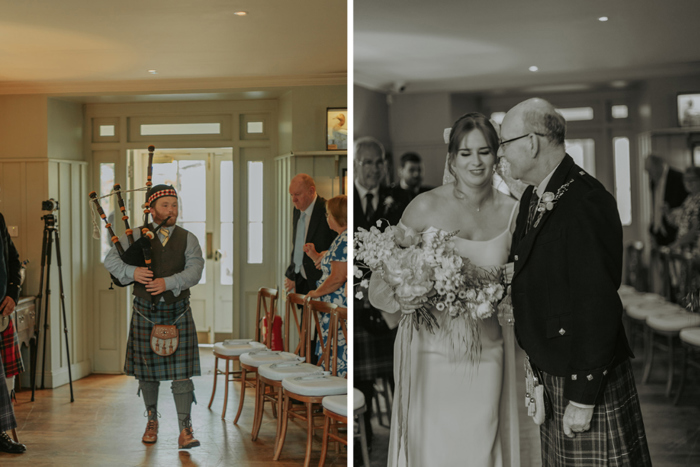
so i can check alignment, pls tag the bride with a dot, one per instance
(450, 410)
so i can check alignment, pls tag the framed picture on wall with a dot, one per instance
(688, 109)
(344, 182)
(336, 128)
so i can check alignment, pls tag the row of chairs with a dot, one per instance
(662, 321)
(280, 377)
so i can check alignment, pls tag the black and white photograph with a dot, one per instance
(537, 305)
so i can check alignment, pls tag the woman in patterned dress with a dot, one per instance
(331, 287)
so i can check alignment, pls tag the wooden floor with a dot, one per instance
(103, 427)
(673, 432)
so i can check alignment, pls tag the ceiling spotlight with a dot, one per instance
(240, 13)
(603, 19)
(153, 72)
(533, 68)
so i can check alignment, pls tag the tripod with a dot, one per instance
(50, 233)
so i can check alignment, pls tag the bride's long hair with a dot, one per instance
(465, 124)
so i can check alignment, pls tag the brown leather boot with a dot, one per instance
(186, 439)
(150, 436)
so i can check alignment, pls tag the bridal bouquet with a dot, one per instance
(426, 272)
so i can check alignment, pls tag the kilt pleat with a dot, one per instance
(7, 414)
(9, 348)
(616, 437)
(145, 364)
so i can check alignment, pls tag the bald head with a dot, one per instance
(533, 134)
(302, 189)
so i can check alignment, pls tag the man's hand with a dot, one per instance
(7, 306)
(508, 271)
(576, 420)
(143, 275)
(156, 286)
(288, 284)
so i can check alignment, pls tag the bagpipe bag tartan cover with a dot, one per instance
(142, 362)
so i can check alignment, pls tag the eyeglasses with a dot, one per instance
(366, 163)
(503, 143)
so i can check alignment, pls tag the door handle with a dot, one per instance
(218, 255)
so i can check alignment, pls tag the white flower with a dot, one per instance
(450, 297)
(359, 295)
(484, 310)
(364, 283)
(357, 272)
(471, 294)
(440, 306)
(388, 201)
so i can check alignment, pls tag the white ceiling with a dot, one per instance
(72, 47)
(457, 45)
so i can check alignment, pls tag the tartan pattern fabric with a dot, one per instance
(142, 362)
(616, 437)
(9, 349)
(373, 354)
(7, 413)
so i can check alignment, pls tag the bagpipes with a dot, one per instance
(139, 252)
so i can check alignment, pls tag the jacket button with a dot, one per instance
(590, 377)
(562, 331)
(516, 257)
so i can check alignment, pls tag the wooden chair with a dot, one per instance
(335, 408)
(231, 350)
(668, 325)
(690, 340)
(270, 390)
(311, 389)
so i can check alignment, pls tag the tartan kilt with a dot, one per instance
(373, 355)
(9, 348)
(616, 437)
(145, 364)
(7, 413)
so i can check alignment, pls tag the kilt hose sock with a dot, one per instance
(183, 393)
(149, 389)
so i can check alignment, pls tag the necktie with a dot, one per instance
(532, 213)
(369, 209)
(299, 242)
(166, 235)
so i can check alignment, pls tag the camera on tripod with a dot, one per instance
(50, 205)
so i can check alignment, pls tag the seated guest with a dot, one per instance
(667, 193)
(686, 218)
(9, 293)
(411, 175)
(331, 287)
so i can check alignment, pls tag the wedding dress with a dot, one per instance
(449, 410)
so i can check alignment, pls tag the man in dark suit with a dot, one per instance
(567, 254)
(310, 226)
(373, 339)
(411, 175)
(667, 192)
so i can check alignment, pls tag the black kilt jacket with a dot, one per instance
(568, 314)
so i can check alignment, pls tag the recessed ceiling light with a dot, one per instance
(240, 13)
(153, 72)
(533, 68)
(603, 19)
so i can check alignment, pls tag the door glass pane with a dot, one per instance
(226, 260)
(623, 189)
(226, 191)
(107, 204)
(255, 212)
(583, 153)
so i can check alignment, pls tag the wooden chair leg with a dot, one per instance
(669, 381)
(324, 445)
(387, 399)
(283, 432)
(280, 413)
(216, 372)
(259, 407)
(243, 386)
(14, 435)
(684, 368)
(309, 432)
(648, 353)
(363, 440)
(223, 414)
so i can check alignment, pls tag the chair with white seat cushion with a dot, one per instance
(270, 376)
(310, 390)
(232, 349)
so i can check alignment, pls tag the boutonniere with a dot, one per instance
(549, 200)
(388, 203)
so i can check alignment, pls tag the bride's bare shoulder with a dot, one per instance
(507, 202)
(419, 212)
